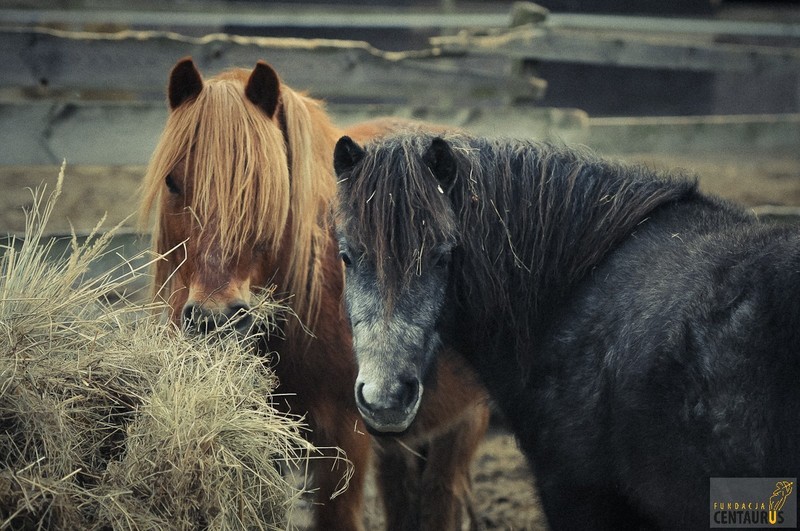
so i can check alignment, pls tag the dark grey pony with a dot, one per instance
(638, 336)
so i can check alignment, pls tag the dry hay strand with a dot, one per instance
(111, 420)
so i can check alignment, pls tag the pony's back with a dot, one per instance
(675, 361)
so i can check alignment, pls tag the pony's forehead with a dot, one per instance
(395, 171)
(386, 235)
(222, 123)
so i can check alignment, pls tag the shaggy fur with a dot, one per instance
(508, 231)
(639, 336)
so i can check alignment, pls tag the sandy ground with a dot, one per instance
(503, 487)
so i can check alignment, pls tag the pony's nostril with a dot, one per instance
(191, 315)
(239, 315)
(360, 400)
(402, 396)
(409, 392)
(243, 322)
(196, 319)
(188, 314)
(239, 308)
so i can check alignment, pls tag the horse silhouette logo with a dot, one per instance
(778, 499)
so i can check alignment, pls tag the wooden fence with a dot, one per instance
(68, 90)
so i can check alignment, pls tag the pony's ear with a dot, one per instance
(264, 88)
(346, 155)
(185, 82)
(441, 160)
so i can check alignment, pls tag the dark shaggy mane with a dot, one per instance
(528, 219)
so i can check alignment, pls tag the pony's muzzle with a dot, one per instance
(197, 319)
(389, 407)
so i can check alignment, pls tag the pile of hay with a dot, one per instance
(110, 420)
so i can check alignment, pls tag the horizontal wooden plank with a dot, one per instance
(622, 49)
(740, 134)
(216, 13)
(139, 61)
(708, 27)
(53, 62)
(263, 18)
(47, 132)
(126, 133)
(261, 15)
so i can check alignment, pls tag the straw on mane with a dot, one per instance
(251, 180)
(529, 219)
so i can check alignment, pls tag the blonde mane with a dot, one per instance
(254, 181)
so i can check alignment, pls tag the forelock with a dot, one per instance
(397, 214)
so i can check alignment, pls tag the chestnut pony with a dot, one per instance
(242, 186)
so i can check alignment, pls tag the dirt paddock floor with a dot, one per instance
(503, 491)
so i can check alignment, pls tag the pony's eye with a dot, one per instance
(345, 258)
(172, 186)
(442, 261)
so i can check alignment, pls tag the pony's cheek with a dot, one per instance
(178, 227)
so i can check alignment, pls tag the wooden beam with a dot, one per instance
(621, 49)
(709, 27)
(216, 14)
(139, 62)
(121, 133)
(741, 134)
(80, 133)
